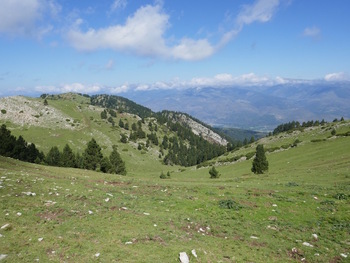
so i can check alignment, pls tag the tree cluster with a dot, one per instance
(18, 148)
(91, 159)
(187, 149)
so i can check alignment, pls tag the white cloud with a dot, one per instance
(313, 32)
(109, 65)
(261, 11)
(144, 32)
(74, 87)
(339, 76)
(24, 18)
(121, 89)
(118, 4)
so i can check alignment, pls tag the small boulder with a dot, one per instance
(184, 258)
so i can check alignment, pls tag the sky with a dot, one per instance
(115, 46)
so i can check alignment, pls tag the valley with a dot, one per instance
(295, 212)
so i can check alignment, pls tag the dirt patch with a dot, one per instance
(52, 215)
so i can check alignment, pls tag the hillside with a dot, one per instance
(298, 211)
(151, 138)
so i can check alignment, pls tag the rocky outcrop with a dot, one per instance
(25, 111)
(201, 130)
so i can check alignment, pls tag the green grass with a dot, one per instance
(283, 208)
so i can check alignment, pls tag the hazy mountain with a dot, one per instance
(257, 108)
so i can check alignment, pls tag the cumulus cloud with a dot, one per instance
(144, 33)
(22, 18)
(74, 87)
(120, 89)
(313, 32)
(338, 76)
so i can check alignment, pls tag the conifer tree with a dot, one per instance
(260, 163)
(68, 157)
(92, 155)
(53, 157)
(116, 162)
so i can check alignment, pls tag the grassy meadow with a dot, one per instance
(299, 211)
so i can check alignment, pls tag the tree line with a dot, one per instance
(91, 159)
(295, 125)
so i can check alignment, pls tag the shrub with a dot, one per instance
(230, 204)
(340, 196)
(214, 173)
(249, 155)
(3, 111)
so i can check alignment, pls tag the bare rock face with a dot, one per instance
(25, 111)
(201, 130)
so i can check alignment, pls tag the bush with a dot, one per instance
(214, 173)
(3, 111)
(230, 204)
(163, 176)
(249, 155)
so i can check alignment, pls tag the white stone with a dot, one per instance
(254, 237)
(107, 200)
(315, 236)
(128, 243)
(344, 255)
(184, 258)
(97, 255)
(19, 213)
(274, 205)
(194, 253)
(307, 244)
(90, 212)
(3, 256)
(146, 214)
(40, 239)
(5, 226)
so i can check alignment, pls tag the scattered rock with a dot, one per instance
(315, 197)
(40, 239)
(107, 199)
(254, 237)
(6, 226)
(146, 214)
(19, 214)
(97, 255)
(194, 253)
(344, 255)
(184, 258)
(315, 236)
(128, 243)
(90, 212)
(29, 193)
(307, 244)
(273, 218)
(3, 256)
(274, 205)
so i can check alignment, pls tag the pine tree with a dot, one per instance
(260, 163)
(53, 157)
(117, 164)
(92, 155)
(68, 157)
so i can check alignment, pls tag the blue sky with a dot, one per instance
(115, 46)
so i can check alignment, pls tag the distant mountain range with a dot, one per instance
(259, 108)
